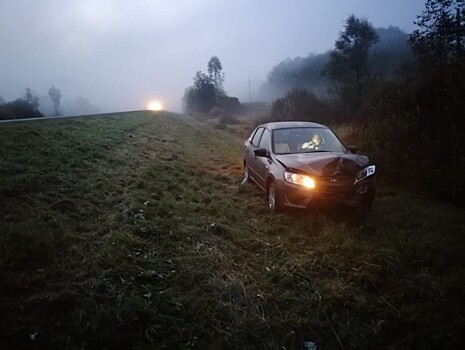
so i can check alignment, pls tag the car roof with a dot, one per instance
(293, 124)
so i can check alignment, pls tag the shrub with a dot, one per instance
(415, 136)
(18, 109)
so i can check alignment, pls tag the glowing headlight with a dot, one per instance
(299, 179)
(154, 106)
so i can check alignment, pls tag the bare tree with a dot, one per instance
(32, 100)
(55, 95)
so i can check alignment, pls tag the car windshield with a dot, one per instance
(305, 140)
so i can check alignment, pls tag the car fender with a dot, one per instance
(270, 178)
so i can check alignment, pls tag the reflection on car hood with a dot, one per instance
(324, 163)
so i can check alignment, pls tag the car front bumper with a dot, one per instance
(346, 192)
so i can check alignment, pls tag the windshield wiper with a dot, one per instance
(316, 151)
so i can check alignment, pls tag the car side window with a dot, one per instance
(256, 138)
(264, 141)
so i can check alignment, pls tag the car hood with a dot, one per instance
(324, 163)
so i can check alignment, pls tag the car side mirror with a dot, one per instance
(353, 149)
(260, 152)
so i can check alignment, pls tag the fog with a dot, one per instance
(115, 55)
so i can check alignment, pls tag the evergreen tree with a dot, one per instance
(439, 40)
(215, 72)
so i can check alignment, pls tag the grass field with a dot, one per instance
(132, 231)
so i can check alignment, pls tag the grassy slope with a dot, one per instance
(130, 231)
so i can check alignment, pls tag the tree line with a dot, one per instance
(208, 97)
(390, 59)
(28, 105)
(405, 108)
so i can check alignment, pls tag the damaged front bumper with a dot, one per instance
(343, 189)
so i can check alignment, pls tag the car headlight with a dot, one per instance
(299, 179)
(364, 173)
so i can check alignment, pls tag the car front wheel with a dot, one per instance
(369, 197)
(273, 198)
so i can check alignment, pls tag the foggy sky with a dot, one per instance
(122, 54)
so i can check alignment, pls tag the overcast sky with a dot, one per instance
(122, 54)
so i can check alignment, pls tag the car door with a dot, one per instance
(262, 164)
(250, 145)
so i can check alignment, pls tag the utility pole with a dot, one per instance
(458, 32)
(250, 94)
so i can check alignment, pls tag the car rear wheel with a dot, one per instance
(246, 174)
(273, 198)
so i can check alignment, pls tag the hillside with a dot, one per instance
(132, 231)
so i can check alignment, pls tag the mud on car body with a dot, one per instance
(301, 163)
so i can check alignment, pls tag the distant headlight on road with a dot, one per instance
(154, 106)
(299, 179)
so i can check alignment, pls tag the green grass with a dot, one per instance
(131, 231)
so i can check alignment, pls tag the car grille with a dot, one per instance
(335, 184)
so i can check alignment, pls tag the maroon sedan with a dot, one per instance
(299, 163)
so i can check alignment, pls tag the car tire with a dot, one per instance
(369, 197)
(247, 174)
(272, 197)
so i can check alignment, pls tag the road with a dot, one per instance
(9, 121)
